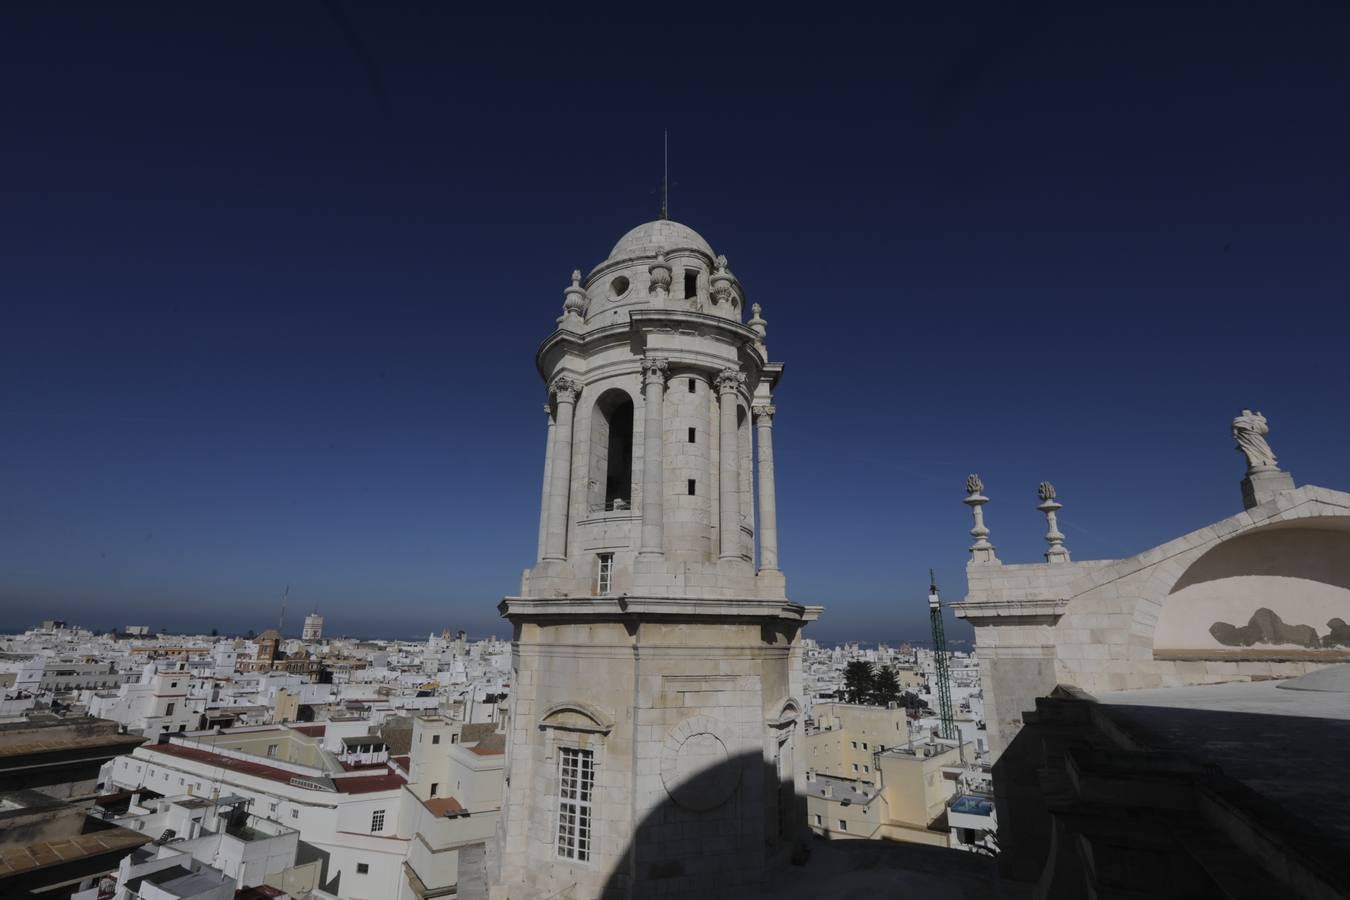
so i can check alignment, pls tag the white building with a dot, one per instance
(157, 704)
(313, 630)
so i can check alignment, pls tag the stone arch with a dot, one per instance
(1283, 587)
(610, 470)
(576, 716)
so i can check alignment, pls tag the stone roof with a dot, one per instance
(663, 234)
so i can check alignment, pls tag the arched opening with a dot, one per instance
(611, 472)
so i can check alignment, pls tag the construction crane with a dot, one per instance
(943, 676)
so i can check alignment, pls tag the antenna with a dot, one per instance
(665, 174)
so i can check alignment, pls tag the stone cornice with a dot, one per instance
(1011, 612)
(624, 607)
(643, 319)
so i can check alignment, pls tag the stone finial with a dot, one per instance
(660, 273)
(574, 298)
(757, 323)
(981, 551)
(1250, 430)
(1057, 552)
(723, 291)
(1264, 478)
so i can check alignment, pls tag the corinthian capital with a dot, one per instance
(763, 412)
(729, 381)
(654, 370)
(566, 389)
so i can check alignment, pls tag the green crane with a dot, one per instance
(943, 674)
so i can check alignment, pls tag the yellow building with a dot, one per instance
(866, 780)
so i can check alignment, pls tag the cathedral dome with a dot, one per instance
(661, 234)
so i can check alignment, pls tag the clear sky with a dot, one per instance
(272, 277)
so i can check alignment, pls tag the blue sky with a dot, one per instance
(274, 277)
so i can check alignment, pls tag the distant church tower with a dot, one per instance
(313, 630)
(655, 706)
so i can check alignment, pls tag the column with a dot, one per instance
(560, 467)
(653, 470)
(728, 383)
(543, 493)
(768, 507)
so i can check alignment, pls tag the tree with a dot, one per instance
(859, 681)
(885, 687)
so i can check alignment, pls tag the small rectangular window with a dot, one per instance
(690, 284)
(377, 821)
(435, 738)
(435, 786)
(691, 385)
(362, 868)
(691, 435)
(691, 487)
(272, 749)
(295, 814)
(168, 710)
(843, 825)
(604, 573)
(818, 821)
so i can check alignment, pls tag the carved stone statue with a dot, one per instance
(1249, 430)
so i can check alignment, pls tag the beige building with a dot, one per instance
(653, 738)
(867, 779)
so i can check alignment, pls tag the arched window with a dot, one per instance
(611, 471)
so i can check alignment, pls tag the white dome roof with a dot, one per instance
(662, 234)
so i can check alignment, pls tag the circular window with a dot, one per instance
(618, 287)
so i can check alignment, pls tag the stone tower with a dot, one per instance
(654, 726)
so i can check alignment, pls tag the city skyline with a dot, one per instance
(238, 363)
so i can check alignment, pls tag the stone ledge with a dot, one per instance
(1292, 654)
(676, 607)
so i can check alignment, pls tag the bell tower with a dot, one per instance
(654, 722)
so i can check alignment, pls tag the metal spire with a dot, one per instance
(665, 174)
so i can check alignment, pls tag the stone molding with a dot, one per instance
(695, 765)
(729, 381)
(654, 371)
(601, 723)
(565, 388)
(679, 607)
(763, 413)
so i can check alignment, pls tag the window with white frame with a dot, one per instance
(377, 821)
(604, 573)
(576, 783)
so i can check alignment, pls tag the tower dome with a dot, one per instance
(661, 234)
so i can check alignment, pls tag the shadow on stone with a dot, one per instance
(681, 851)
(1114, 799)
